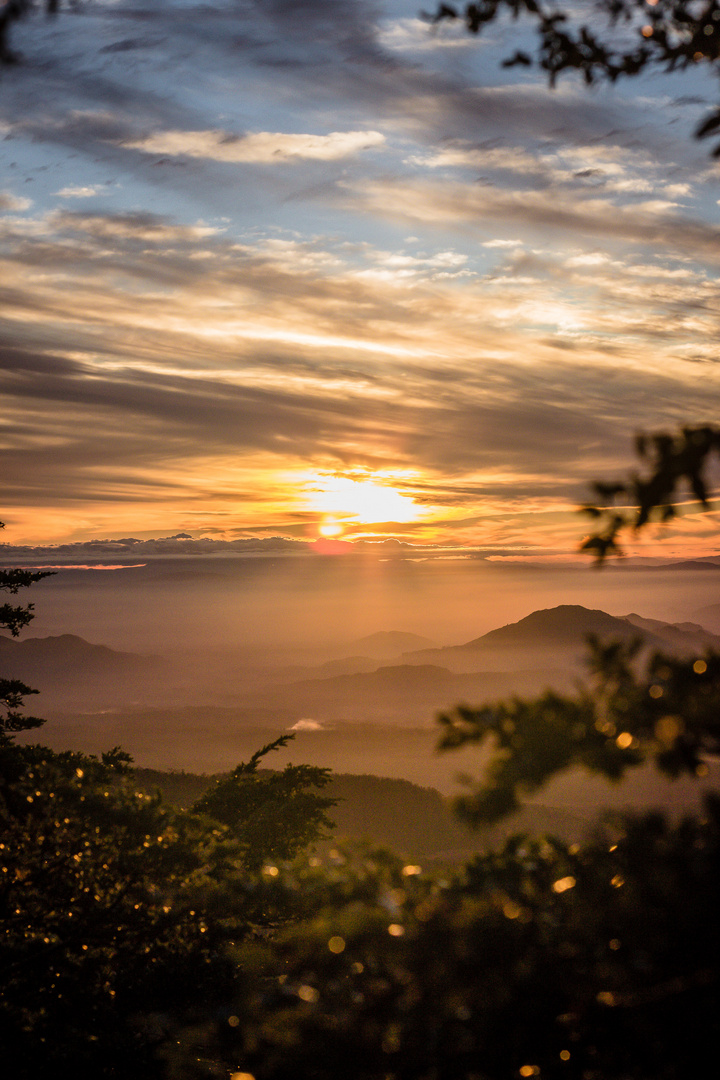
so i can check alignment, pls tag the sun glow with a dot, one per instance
(330, 528)
(365, 501)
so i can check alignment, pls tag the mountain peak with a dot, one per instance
(565, 623)
(391, 643)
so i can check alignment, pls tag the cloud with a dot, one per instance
(75, 553)
(502, 243)
(654, 222)
(77, 192)
(258, 148)
(140, 375)
(193, 365)
(13, 202)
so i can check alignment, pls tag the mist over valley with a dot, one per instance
(192, 664)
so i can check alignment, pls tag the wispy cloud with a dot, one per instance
(258, 148)
(77, 192)
(655, 222)
(166, 365)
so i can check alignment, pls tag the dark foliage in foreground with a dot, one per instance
(665, 711)
(542, 959)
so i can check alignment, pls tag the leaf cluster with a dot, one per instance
(273, 815)
(104, 898)
(660, 710)
(675, 463)
(669, 35)
(15, 617)
(119, 914)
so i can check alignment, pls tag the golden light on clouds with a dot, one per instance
(384, 305)
(260, 147)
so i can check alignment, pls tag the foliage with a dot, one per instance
(672, 460)
(105, 898)
(636, 36)
(396, 813)
(272, 815)
(119, 912)
(15, 617)
(597, 961)
(539, 960)
(665, 712)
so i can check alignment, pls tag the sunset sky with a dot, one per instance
(315, 269)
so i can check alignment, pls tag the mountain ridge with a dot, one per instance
(545, 648)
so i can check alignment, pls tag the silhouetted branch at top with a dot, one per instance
(617, 38)
(10, 12)
(675, 462)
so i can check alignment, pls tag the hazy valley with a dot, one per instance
(362, 704)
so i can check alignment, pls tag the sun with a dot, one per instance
(330, 528)
(364, 501)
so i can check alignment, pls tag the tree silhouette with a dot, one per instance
(272, 815)
(664, 712)
(15, 617)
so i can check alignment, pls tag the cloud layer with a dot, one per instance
(243, 253)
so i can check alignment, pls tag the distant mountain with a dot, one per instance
(66, 666)
(708, 563)
(556, 637)
(348, 665)
(546, 648)
(709, 617)
(552, 637)
(562, 625)
(367, 653)
(685, 638)
(62, 650)
(402, 693)
(389, 643)
(411, 819)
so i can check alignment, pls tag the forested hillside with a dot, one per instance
(410, 819)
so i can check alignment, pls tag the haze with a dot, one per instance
(325, 602)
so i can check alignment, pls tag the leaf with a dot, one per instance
(521, 58)
(709, 125)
